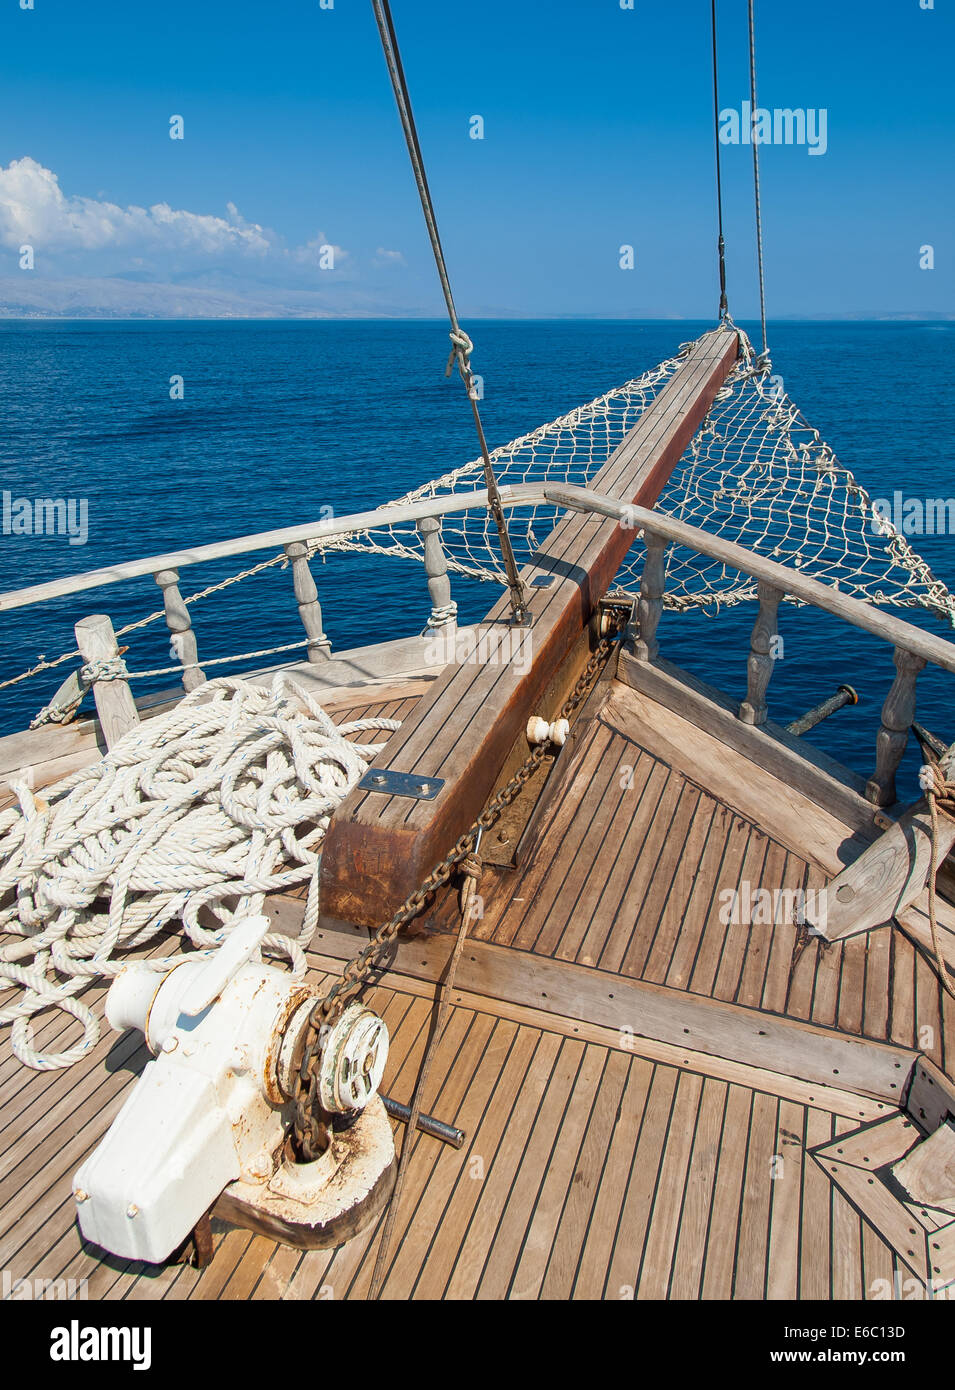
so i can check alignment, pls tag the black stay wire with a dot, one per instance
(462, 345)
(759, 216)
(724, 307)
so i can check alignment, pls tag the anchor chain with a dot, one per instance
(309, 1128)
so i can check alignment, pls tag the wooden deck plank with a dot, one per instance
(782, 1274)
(902, 1017)
(684, 841)
(719, 1261)
(778, 874)
(700, 904)
(875, 1013)
(928, 1010)
(586, 1181)
(761, 1163)
(617, 801)
(519, 925)
(591, 1276)
(558, 1176)
(687, 1271)
(493, 1190)
(633, 887)
(557, 903)
(709, 951)
(498, 1274)
(436, 1210)
(492, 1138)
(738, 934)
(623, 1274)
(847, 1282)
(815, 1244)
(629, 875)
(668, 1199)
(878, 1265)
(706, 829)
(352, 1267)
(825, 996)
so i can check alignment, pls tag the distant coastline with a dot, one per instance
(16, 314)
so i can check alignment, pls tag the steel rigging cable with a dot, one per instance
(462, 346)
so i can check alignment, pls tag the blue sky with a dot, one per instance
(598, 132)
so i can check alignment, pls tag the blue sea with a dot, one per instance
(280, 419)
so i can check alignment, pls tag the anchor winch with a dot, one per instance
(207, 1123)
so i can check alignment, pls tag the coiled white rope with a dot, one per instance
(201, 811)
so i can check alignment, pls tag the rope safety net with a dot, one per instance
(756, 473)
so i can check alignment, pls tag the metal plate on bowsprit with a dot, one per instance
(382, 779)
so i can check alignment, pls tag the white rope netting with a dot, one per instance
(192, 817)
(756, 473)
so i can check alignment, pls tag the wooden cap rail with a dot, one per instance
(790, 581)
(379, 848)
(521, 496)
(913, 647)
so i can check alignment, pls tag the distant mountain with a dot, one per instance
(221, 295)
(29, 296)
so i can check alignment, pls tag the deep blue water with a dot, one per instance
(281, 419)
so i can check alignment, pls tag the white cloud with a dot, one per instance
(314, 251)
(35, 210)
(383, 257)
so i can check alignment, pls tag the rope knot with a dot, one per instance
(113, 669)
(442, 616)
(936, 786)
(471, 867)
(461, 351)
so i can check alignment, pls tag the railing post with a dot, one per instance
(310, 610)
(650, 603)
(180, 626)
(761, 660)
(444, 611)
(115, 705)
(897, 715)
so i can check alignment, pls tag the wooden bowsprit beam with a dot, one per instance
(379, 848)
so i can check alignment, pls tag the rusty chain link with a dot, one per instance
(309, 1130)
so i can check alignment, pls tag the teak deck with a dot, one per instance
(658, 1103)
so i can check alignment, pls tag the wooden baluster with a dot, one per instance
(897, 715)
(180, 626)
(444, 611)
(115, 705)
(650, 605)
(306, 594)
(761, 656)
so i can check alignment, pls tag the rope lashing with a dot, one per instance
(461, 351)
(111, 669)
(441, 617)
(192, 817)
(106, 669)
(940, 794)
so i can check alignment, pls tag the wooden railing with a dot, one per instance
(913, 647)
(295, 541)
